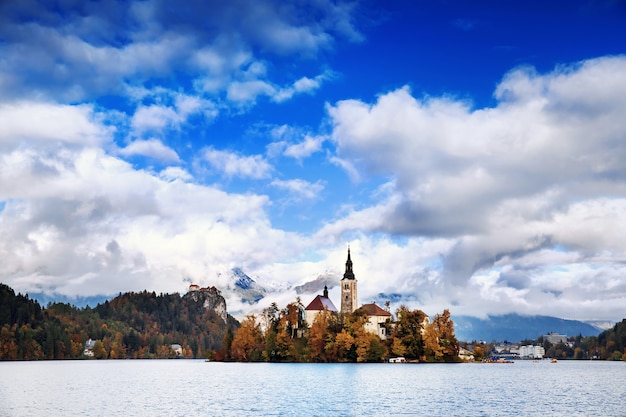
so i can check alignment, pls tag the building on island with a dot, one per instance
(376, 319)
(349, 300)
(319, 304)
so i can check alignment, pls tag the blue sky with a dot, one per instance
(470, 153)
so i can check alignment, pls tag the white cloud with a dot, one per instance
(234, 165)
(245, 92)
(56, 230)
(507, 185)
(303, 85)
(175, 173)
(156, 118)
(152, 148)
(205, 43)
(306, 148)
(55, 123)
(300, 188)
(449, 160)
(348, 167)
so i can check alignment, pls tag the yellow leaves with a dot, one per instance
(397, 347)
(247, 340)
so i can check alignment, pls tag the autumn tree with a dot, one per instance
(99, 352)
(440, 341)
(247, 342)
(408, 333)
(320, 336)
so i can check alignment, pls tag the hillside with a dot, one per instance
(515, 327)
(131, 325)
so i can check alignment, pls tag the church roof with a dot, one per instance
(320, 303)
(373, 310)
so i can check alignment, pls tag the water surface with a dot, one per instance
(198, 388)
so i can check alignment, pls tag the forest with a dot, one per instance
(132, 325)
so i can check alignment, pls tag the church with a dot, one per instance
(376, 316)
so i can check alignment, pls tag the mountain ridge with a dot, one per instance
(516, 327)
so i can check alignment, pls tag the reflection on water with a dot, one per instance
(198, 388)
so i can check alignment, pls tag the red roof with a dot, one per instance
(373, 310)
(320, 303)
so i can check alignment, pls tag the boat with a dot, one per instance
(553, 360)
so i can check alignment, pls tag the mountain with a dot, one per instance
(245, 287)
(327, 279)
(515, 327)
(601, 324)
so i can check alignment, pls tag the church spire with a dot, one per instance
(349, 297)
(348, 274)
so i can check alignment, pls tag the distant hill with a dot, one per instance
(515, 327)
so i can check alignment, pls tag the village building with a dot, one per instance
(555, 338)
(89, 344)
(178, 349)
(319, 304)
(376, 319)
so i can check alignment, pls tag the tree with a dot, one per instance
(441, 343)
(247, 342)
(319, 336)
(344, 342)
(99, 352)
(397, 347)
(408, 330)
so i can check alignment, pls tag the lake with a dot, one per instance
(198, 388)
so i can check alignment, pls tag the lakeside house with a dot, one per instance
(376, 319)
(88, 350)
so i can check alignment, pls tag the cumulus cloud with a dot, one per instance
(540, 170)
(55, 124)
(235, 165)
(300, 188)
(152, 148)
(53, 54)
(99, 226)
(306, 148)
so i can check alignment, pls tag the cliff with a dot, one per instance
(210, 299)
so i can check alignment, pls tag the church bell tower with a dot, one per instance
(348, 288)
